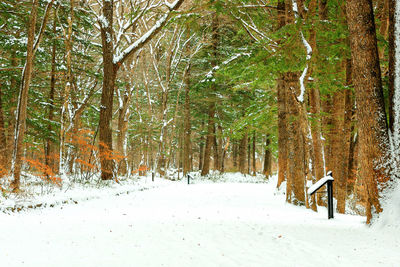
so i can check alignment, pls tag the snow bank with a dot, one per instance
(390, 217)
(229, 177)
(74, 193)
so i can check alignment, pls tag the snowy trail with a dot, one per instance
(197, 225)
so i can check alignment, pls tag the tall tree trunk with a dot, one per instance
(282, 132)
(326, 122)
(392, 7)
(318, 160)
(75, 148)
(225, 149)
(107, 95)
(327, 130)
(187, 146)
(297, 167)
(267, 158)
(209, 140)
(216, 150)
(49, 161)
(20, 123)
(235, 154)
(221, 150)
(339, 149)
(11, 117)
(254, 153)
(248, 154)
(242, 154)
(3, 140)
(374, 150)
(315, 106)
(201, 149)
(123, 117)
(341, 140)
(211, 108)
(282, 107)
(67, 90)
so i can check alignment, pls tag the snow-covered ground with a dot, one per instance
(201, 224)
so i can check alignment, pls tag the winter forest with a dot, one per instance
(200, 106)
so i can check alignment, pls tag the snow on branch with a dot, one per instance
(210, 74)
(148, 35)
(124, 27)
(295, 8)
(257, 6)
(169, 5)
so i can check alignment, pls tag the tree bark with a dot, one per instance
(201, 149)
(339, 149)
(187, 145)
(242, 154)
(209, 140)
(110, 69)
(11, 117)
(254, 153)
(282, 132)
(49, 161)
(392, 7)
(235, 154)
(107, 94)
(211, 107)
(3, 140)
(123, 117)
(282, 107)
(20, 123)
(267, 158)
(315, 109)
(216, 150)
(374, 150)
(248, 154)
(296, 162)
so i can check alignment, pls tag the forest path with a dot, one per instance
(192, 225)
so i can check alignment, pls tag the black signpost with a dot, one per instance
(329, 185)
(188, 178)
(328, 180)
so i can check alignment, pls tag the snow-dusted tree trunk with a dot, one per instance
(395, 134)
(113, 58)
(267, 168)
(187, 142)
(67, 90)
(374, 148)
(3, 139)
(282, 108)
(391, 41)
(20, 122)
(124, 99)
(49, 148)
(315, 110)
(107, 95)
(211, 107)
(243, 154)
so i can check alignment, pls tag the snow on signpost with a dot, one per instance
(321, 182)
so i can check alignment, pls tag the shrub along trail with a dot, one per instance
(224, 224)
